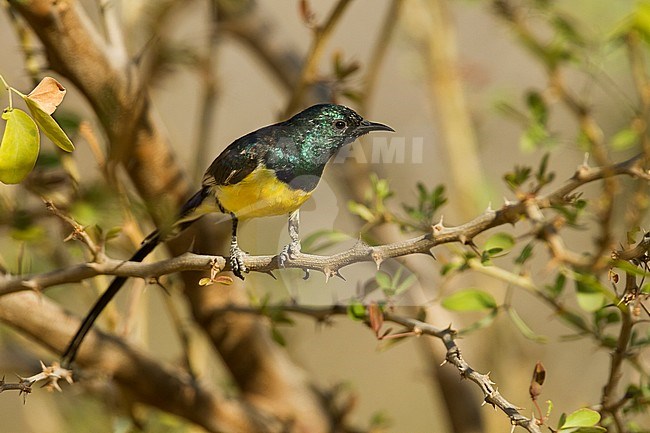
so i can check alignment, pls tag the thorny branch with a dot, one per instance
(416, 327)
(50, 374)
(510, 213)
(630, 299)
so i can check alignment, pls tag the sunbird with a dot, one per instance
(268, 172)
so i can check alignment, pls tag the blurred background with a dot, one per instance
(448, 82)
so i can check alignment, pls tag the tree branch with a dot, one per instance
(510, 213)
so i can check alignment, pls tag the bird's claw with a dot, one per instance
(237, 261)
(289, 252)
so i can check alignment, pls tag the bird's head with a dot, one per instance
(335, 125)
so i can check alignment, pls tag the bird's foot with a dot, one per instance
(289, 252)
(237, 261)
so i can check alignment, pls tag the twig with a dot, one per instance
(50, 374)
(78, 232)
(619, 354)
(379, 52)
(113, 30)
(308, 74)
(636, 252)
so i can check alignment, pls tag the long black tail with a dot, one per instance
(70, 353)
(148, 245)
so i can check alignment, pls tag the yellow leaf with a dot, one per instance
(19, 147)
(48, 94)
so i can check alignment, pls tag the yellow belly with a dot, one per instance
(260, 194)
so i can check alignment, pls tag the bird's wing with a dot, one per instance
(239, 159)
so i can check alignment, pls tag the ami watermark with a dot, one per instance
(384, 150)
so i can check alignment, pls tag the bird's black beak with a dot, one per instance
(366, 126)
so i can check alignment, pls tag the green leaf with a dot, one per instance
(49, 126)
(384, 280)
(382, 188)
(357, 311)
(525, 254)
(480, 324)
(19, 147)
(557, 288)
(594, 429)
(624, 139)
(590, 293)
(361, 211)
(590, 301)
(524, 328)
(537, 107)
(277, 336)
(406, 284)
(567, 30)
(469, 300)
(498, 243)
(581, 418)
(321, 240)
(629, 268)
(113, 233)
(534, 137)
(517, 178)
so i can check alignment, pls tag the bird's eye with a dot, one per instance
(339, 124)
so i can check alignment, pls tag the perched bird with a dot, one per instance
(271, 171)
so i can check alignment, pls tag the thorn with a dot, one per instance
(156, 281)
(439, 226)
(376, 257)
(270, 273)
(306, 276)
(489, 207)
(507, 202)
(328, 274)
(585, 161)
(444, 362)
(338, 274)
(430, 254)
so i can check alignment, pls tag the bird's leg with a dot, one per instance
(290, 251)
(236, 254)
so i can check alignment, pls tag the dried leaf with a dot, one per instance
(48, 94)
(539, 375)
(376, 317)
